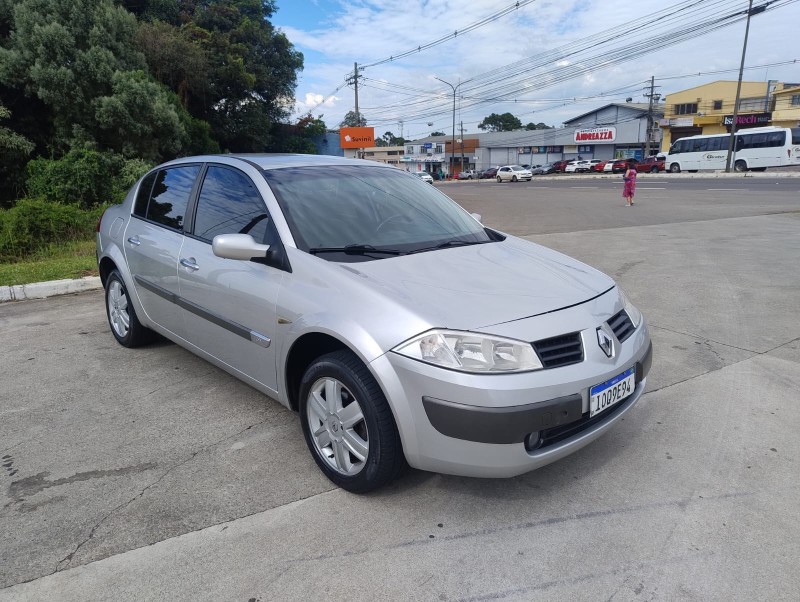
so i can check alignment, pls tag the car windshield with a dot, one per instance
(517, 168)
(360, 213)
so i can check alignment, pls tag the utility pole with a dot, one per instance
(461, 131)
(732, 141)
(453, 149)
(355, 83)
(650, 116)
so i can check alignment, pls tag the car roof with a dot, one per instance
(268, 161)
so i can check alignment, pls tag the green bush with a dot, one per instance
(32, 224)
(84, 177)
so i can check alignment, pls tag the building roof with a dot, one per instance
(636, 106)
(793, 90)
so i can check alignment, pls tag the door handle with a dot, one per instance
(134, 240)
(190, 264)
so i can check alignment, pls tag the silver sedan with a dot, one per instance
(401, 329)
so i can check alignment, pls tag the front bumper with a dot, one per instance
(477, 424)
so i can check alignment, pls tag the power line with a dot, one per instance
(471, 27)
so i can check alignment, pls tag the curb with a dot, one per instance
(42, 290)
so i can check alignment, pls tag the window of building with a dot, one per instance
(795, 100)
(688, 108)
(229, 203)
(717, 105)
(758, 103)
(588, 148)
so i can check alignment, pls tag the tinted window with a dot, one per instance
(795, 135)
(171, 195)
(143, 196)
(229, 203)
(700, 145)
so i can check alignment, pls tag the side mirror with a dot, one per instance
(237, 246)
(477, 216)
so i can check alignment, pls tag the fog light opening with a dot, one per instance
(532, 441)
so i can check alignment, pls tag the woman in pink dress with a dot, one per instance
(630, 184)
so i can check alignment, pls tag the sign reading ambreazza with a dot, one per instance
(599, 134)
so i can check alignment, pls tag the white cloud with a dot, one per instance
(370, 30)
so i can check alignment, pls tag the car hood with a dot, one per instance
(482, 285)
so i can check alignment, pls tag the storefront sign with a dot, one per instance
(357, 137)
(678, 122)
(751, 119)
(599, 134)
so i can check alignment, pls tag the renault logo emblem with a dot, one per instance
(606, 342)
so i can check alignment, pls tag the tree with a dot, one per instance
(438, 134)
(500, 123)
(252, 70)
(391, 140)
(537, 126)
(78, 57)
(351, 121)
(14, 149)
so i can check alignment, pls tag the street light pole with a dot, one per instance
(453, 150)
(732, 141)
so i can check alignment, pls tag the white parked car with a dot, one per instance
(513, 173)
(425, 176)
(576, 166)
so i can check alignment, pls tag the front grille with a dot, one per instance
(622, 326)
(560, 351)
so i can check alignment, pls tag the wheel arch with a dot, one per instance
(307, 348)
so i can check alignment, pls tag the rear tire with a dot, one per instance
(675, 168)
(348, 424)
(125, 326)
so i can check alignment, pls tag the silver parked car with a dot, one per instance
(398, 326)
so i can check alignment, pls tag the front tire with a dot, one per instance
(740, 166)
(675, 168)
(499, 180)
(125, 326)
(513, 178)
(348, 425)
(654, 170)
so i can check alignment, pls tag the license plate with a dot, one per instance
(611, 392)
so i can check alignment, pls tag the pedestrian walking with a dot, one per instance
(629, 189)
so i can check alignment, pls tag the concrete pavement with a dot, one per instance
(150, 475)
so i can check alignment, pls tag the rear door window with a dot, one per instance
(170, 195)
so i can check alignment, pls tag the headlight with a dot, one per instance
(634, 314)
(469, 352)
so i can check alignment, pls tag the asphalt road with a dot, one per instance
(151, 475)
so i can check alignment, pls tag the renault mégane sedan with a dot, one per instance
(398, 327)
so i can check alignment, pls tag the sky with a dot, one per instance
(545, 61)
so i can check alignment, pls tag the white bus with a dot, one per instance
(756, 149)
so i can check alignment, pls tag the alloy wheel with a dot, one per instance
(118, 309)
(337, 426)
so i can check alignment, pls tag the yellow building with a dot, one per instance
(786, 111)
(708, 109)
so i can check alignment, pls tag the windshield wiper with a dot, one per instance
(354, 250)
(450, 243)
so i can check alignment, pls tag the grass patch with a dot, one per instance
(54, 262)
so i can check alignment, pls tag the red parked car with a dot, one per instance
(560, 165)
(652, 164)
(599, 166)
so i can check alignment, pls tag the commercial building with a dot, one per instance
(708, 109)
(615, 130)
